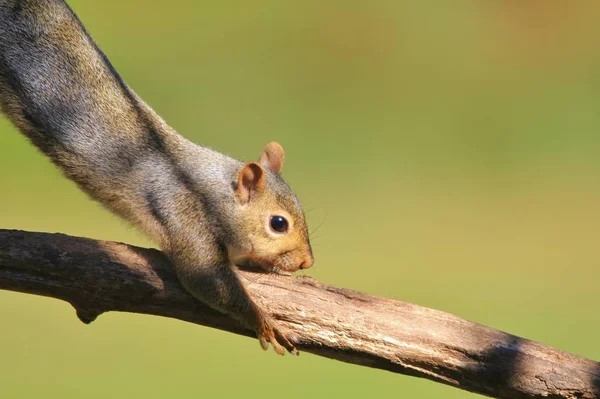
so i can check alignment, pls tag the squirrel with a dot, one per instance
(208, 212)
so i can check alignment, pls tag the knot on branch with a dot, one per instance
(87, 315)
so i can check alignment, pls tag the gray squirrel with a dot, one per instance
(207, 211)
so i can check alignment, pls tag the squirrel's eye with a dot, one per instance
(279, 224)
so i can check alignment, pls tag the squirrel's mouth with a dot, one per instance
(285, 263)
(277, 270)
(255, 263)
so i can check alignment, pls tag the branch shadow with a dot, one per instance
(509, 370)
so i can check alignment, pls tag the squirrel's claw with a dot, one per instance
(274, 340)
(270, 334)
(286, 343)
(278, 348)
(263, 343)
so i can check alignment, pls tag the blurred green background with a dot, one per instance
(450, 154)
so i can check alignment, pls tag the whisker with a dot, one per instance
(317, 228)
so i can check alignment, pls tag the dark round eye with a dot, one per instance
(279, 224)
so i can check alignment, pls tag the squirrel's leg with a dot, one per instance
(215, 282)
(179, 222)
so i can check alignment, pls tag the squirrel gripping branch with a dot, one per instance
(207, 211)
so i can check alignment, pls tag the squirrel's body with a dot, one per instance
(206, 210)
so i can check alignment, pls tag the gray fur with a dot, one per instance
(61, 91)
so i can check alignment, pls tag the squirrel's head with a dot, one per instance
(273, 233)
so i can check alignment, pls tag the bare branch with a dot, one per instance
(99, 276)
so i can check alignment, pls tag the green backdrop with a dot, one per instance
(448, 152)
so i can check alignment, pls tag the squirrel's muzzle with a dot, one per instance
(307, 263)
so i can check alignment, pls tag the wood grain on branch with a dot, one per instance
(99, 276)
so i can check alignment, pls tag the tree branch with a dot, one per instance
(100, 276)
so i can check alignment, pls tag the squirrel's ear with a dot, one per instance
(272, 157)
(250, 181)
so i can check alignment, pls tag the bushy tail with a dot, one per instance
(61, 91)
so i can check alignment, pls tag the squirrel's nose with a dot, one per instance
(307, 263)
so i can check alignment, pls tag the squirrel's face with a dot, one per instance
(273, 234)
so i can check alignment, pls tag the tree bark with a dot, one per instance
(100, 276)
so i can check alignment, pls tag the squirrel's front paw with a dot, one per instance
(268, 332)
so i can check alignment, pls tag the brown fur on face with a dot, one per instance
(275, 251)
